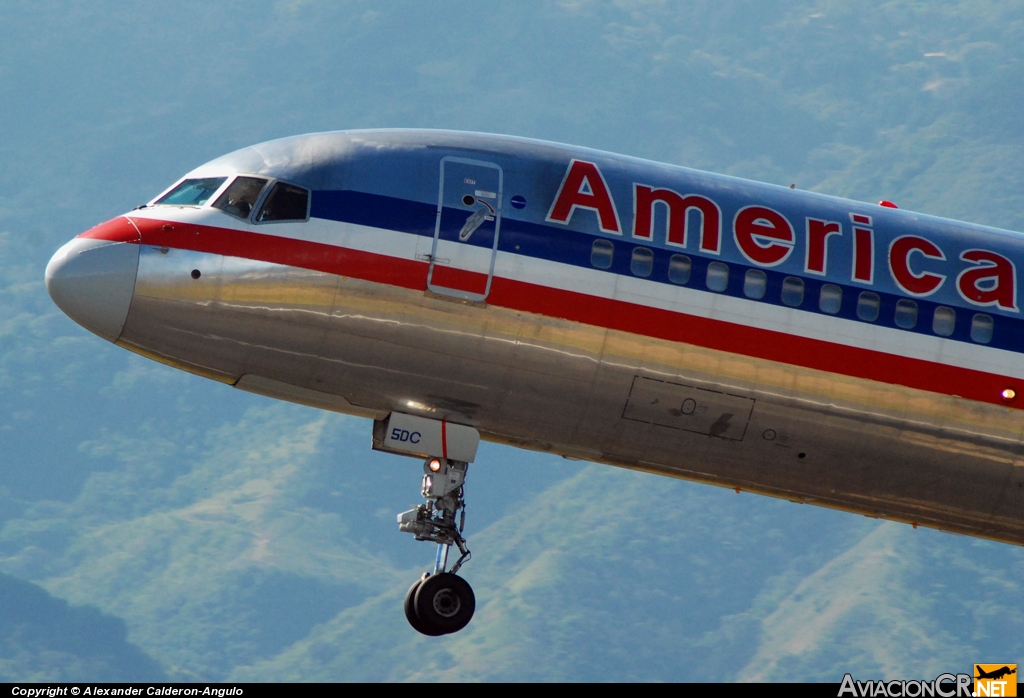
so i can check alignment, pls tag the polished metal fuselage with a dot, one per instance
(583, 391)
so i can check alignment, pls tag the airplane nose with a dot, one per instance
(92, 278)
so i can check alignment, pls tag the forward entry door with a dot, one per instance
(466, 233)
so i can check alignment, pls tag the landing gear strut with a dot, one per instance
(440, 602)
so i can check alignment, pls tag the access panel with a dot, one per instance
(687, 408)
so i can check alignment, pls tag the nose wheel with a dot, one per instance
(441, 602)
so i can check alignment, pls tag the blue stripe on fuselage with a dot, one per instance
(558, 244)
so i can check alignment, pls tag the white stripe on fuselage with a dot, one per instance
(601, 284)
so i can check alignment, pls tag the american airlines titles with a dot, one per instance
(766, 238)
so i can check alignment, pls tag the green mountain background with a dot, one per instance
(155, 525)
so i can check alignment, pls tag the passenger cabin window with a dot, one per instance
(718, 277)
(191, 192)
(679, 269)
(601, 254)
(286, 202)
(642, 263)
(981, 328)
(906, 314)
(239, 198)
(868, 305)
(755, 283)
(830, 299)
(944, 321)
(792, 291)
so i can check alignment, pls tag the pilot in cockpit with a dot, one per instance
(239, 198)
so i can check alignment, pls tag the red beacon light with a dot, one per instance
(888, 204)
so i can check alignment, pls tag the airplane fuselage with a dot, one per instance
(595, 306)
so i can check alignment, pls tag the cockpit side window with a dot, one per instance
(191, 192)
(286, 202)
(239, 198)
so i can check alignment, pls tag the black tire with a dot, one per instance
(444, 601)
(410, 612)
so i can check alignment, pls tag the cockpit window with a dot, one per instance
(239, 198)
(286, 202)
(192, 192)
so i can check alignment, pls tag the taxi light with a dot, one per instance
(1008, 394)
(434, 465)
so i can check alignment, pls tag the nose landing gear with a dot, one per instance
(441, 602)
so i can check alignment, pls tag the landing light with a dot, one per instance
(413, 405)
(1008, 394)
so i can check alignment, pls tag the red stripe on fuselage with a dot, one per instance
(119, 229)
(280, 250)
(592, 310)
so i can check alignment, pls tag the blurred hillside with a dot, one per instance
(232, 537)
(45, 639)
